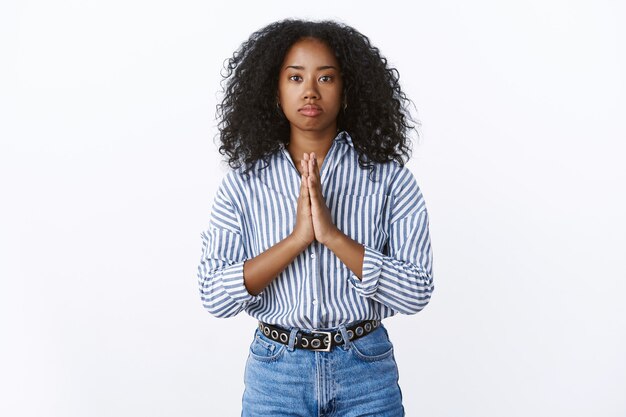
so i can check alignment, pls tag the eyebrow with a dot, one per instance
(300, 67)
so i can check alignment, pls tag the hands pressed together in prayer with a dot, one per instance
(313, 219)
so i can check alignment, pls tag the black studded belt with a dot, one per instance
(318, 340)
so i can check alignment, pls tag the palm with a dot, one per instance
(303, 229)
(323, 225)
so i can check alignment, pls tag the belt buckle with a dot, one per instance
(330, 341)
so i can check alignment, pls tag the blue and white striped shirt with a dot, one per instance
(387, 216)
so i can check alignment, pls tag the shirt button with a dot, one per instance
(313, 256)
(315, 302)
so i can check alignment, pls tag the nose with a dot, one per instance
(310, 90)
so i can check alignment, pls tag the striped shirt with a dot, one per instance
(386, 214)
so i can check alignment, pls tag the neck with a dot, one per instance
(308, 141)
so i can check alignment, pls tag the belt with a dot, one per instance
(318, 340)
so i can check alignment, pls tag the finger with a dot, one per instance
(303, 168)
(304, 187)
(316, 168)
(305, 160)
(311, 170)
(313, 183)
(313, 167)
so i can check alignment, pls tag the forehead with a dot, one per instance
(310, 52)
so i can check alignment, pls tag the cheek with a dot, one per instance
(285, 93)
(336, 99)
(282, 88)
(337, 94)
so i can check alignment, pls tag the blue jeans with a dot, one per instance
(358, 378)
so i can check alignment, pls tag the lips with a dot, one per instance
(310, 110)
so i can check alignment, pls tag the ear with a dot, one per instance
(278, 108)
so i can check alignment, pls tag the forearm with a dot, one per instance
(259, 271)
(349, 251)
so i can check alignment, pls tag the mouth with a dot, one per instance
(310, 110)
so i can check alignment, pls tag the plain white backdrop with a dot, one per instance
(108, 169)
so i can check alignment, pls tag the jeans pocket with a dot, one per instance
(375, 346)
(264, 349)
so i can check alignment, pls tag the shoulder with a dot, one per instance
(230, 186)
(236, 180)
(403, 188)
(403, 177)
(397, 178)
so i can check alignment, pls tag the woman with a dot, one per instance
(319, 231)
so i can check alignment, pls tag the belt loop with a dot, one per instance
(344, 336)
(292, 339)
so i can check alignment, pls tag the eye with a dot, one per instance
(326, 78)
(295, 78)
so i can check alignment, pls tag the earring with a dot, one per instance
(345, 104)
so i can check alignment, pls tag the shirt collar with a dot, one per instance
(344, 137)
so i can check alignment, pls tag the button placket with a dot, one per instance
(316, 284)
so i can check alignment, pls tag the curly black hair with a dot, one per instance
(251, 127)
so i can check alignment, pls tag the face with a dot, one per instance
(310, 87)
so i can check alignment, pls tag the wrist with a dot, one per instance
(334, 239)
(297, 242)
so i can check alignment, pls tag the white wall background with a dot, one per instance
(108, 171)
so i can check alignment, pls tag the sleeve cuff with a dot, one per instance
(372, 268)
(232, 281)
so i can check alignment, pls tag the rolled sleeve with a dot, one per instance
(220, 271)
(233, 284)
(372, 268)
(401, 278)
